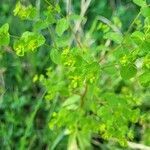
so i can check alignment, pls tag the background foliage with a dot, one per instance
(26, 117)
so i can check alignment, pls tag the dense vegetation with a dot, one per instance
(74, 74)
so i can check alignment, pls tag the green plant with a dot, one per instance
(82, 78)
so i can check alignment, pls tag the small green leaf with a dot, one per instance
(29, 41)
(75, 17)
(50, 19)
(110, 69)
(128, 72)
(25, 12)
(145, 79)
(84, 140)
(62, 26)
(116, 37)
(145, 11)
(135, 115)
(71, 102)
(137, 37)
(55, 56)
(140, 2)
(19, 47)
(4, 35)
(40, 24)
(50, 15)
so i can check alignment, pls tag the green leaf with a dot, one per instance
(4, 35)
(140, 2)
(145, 79)
(144, 48)
(128, 72)
(145, 11)
(40, 24)
(55, 56)
(58, 139)
(71, 102)
(75, 17)
(116, 37)
(72, 143)
(84, 140)
(19, 47)
(138, 37)
(62, 26)
(29, 41)
(25, 12)
(110, 69)
(135, 115)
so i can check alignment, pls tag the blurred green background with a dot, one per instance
(24, 116)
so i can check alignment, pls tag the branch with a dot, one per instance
(131, 145)
(109, 23)
(68, 7)
(138, 146)
(133, 22)
(83, 95)
(84, 7)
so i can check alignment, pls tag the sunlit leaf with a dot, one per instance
(128, 72)
(62, 26)
(4, 35)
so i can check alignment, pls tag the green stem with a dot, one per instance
(130, 27)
